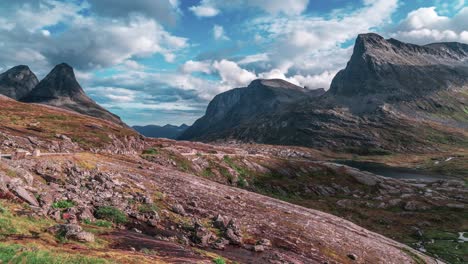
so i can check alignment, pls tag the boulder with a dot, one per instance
(178, 209)
(72, 231)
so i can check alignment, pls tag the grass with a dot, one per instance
(112, 214)
(417, 259)
(63, 204)
(148, 208)
(150, 151)
(99, 223)
(16, 254)
(219, 261)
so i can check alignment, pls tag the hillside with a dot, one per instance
(391, 97)
(141, 201)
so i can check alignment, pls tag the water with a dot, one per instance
(394, 172)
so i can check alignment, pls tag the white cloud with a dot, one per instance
(166, 11)
(210, 8)
(204, 10)
(196, 66)
(254, 58)
(218, 33)
(133, 65)
(233, 75)
(310, 46)
(425, 25)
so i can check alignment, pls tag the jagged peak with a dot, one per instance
(19, 68)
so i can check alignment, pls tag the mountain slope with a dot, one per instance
(61, 89)
(17, 82)
(144, 207)
(167, 131)
(243, 105)
(392, 96)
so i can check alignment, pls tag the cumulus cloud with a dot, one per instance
(196, 66)
(165, 11)
(87, 43)
(204, 10)
(310, 47)
(233, 75)
(425, 25)
(218, 33)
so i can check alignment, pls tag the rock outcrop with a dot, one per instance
(17, 82)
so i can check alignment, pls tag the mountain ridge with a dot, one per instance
(167, 131)
(392, 96)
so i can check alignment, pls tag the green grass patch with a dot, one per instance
(63, 204)
(219, 261)
(16, 254)
(99, 223)
(112, 214)
(148, 208)
(150, 151)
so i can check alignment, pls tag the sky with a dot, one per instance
(162, 61)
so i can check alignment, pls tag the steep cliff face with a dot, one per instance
(61, 89)
(244, 105)
(17, 82)
(390, 70)
(391, 96)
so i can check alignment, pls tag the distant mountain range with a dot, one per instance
(391, 96)
(59, 88)
(167, 131)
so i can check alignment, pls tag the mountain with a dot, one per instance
(167, 131)
(392, 96)
(244, 105)
(61, 89)
(17, 82)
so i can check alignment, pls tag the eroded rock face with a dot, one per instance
(17, 82)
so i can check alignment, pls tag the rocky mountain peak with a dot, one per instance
(17, 82)
(59, 83)
(394, 69)
(61, 89)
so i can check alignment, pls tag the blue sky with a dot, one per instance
(162, 61)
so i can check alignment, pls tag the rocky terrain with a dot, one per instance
(391, 97)
(166, 131)
(113, 196)
(59, 88)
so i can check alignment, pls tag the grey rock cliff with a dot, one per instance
(17, 82)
